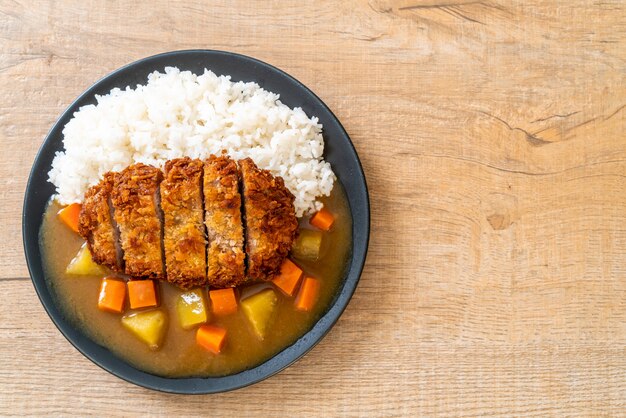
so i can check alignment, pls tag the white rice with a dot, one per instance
(181, 114)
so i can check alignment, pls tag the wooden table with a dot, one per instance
(493, 139)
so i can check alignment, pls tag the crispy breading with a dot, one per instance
(183, 232)
(222, 204)
(175, 247)
(271, 224)
(134, 198)
(97, 227)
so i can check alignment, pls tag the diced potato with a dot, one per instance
(83, 264)
(148, 326)
(259, 310)
(308, 245)
(191, 309)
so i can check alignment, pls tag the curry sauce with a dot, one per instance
(179, 355)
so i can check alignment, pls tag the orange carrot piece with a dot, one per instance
(223, 301)
(69, 215)
(289, 277)
(141, 293)
(322, 219)
(307, 296)
(211, 337)
(112, 295)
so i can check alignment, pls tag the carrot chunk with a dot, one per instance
(322, 219)
(112, 295)
(211, 337)
(289, 277)
(141, 293)
(307, 296)
(69, 215)
(223, 301)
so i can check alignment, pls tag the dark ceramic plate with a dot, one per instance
(339, 151)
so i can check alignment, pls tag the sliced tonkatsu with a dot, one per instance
(222, 204)
(134, 198)
(216, 222)
(183, 223)
(96, 225)
(271, 225)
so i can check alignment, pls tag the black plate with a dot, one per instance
(339, 151)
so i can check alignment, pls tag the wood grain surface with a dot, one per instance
(492, 134)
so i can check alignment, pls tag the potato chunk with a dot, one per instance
(191, 309)
(259, 310)
(83, 264)
(308, 245)
(148, 326)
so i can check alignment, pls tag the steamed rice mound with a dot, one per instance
(180, 114)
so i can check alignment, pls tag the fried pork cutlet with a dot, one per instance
(136, 211)
(222, 204)
(96, 225)
(271, 224)
(183, 231)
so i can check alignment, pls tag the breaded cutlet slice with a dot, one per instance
(270, 220)
(183, 219)
(135, 197)
(96, 225)
(222, 205)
